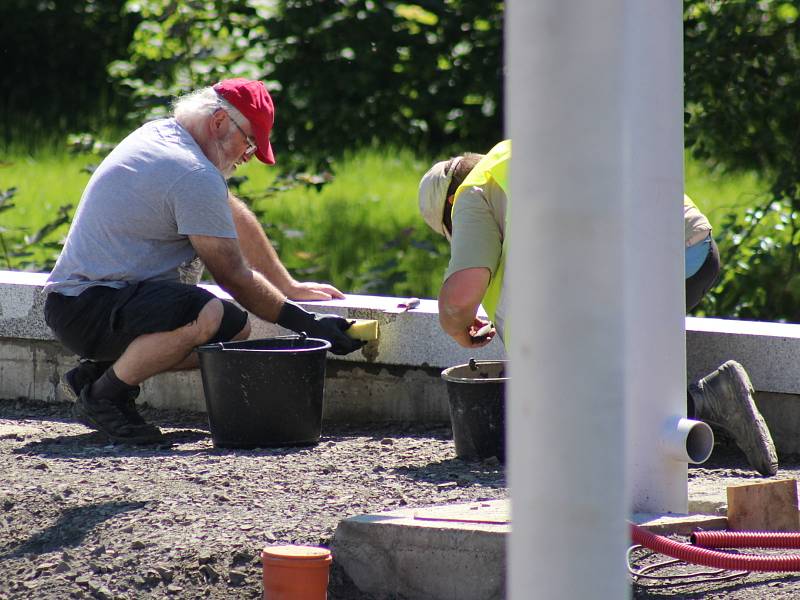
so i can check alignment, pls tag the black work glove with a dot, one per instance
(327, 327)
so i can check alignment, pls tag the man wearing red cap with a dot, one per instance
(156, 211)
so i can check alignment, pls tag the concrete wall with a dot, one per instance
(395, 378)
(770, 352)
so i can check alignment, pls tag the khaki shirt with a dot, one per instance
(696, 225)
(479, 222)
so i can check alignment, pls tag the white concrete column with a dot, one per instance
(565, 100)
(654, 258)
(594, 105)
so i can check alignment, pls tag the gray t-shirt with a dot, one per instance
(148, 195)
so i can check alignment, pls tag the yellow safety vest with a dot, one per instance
(493, 166)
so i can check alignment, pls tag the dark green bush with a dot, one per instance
(54, 56)
(425, 75)
(343, 74)
(742, 89)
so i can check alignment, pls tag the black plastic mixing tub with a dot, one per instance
(477, 398)
(265, 392)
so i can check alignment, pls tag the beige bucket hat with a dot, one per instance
(433, 194)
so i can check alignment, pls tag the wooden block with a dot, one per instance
(767, 506)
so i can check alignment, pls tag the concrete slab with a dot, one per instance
(404, 553)
(491, 511)
(678, 524)
(440, 553)
(354, 393)
(396, 378)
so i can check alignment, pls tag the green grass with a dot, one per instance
(44, 183)
(717, 193)
(361, 232)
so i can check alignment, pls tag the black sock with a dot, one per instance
(110, 386)
(90, 371)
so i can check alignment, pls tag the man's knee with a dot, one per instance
(209, 320)
(232, 323)
(244, 333)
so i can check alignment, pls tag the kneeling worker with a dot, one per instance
(466, 199)
(123, 294)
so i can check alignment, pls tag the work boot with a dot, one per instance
(128, 408)
(725, 398)
(118, 420)
(73, 381)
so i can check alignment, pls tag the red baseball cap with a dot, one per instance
(252, 99)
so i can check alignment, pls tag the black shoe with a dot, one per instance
(74, 380)
(128, 408)
(107, 417)
(725, 398)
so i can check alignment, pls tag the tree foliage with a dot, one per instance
(54, 55)
(742, 94)
(343, 73)
(422, 74)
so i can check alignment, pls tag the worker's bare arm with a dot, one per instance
(223, 259)
(459, 299)
(259, 253)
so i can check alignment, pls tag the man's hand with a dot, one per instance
(476, 335)
(326, 327)
(311, 290)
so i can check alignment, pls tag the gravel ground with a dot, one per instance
(83, 519)
(726, 466)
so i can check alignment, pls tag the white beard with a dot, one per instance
(226, 165)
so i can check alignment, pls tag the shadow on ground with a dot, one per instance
(94, 445)
(70, 528)
(457, 472)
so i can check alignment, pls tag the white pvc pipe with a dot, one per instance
(687, 440)
(566, 279)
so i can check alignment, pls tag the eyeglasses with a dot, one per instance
(251, 143)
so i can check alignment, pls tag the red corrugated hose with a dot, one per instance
(746, 539)
(713, 558)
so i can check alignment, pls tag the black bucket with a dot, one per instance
(477, 397)
(265, 392)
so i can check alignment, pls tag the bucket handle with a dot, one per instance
(302, 336)
(475, 364)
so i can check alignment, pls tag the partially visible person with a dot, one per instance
(724, 397)
(466, 199)
(123, 294)
(702, 264)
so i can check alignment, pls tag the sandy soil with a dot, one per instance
(83, 519)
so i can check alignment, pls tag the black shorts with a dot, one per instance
(701, 282)
(101, 322)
